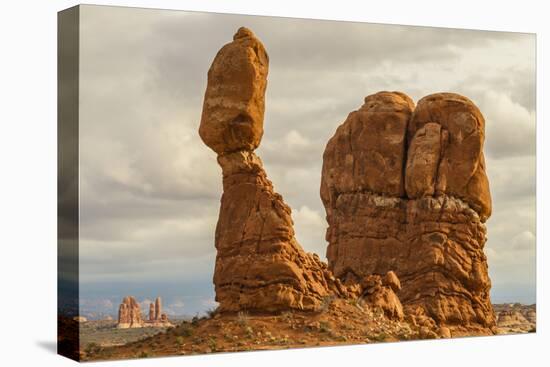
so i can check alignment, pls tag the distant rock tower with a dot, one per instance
(158, 308)
(151, 311)
(129, 314)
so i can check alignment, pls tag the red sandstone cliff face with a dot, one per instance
(259, 264)
(405, 190)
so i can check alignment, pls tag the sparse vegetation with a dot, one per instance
(325, 303)
(184, 330)
(143, 354)
(212, 344)
(211, 312)
(195, 320)
(342, 323)
(287, 316)
(92, 348)
(357, 302)
(242, 318)
(381, 337)
(324, 327)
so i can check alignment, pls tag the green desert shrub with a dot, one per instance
(92, 348)
(211, 312)
(324, 326)
(242, 318)
(183, 330)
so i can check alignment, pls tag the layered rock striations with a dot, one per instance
(405, 190)
(259, 264)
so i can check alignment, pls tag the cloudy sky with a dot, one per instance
(150, 189)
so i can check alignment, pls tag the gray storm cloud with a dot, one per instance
(150, 189)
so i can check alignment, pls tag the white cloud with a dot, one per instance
(176, 307)
(510, 127)
(524, 241)
(310, 230)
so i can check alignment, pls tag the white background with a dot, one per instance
(28, 183)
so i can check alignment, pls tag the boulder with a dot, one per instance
(233, 108)
(378, 291)
(367, 152)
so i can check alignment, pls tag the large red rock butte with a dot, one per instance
(405, 190)
(259, 264)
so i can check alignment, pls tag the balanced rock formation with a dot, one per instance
(259, 264)
(234, 103)
(129, 314)
(405, 190)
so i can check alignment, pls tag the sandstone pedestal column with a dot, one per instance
(259, 264)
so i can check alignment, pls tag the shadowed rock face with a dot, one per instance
(405, 190)
(259, 264)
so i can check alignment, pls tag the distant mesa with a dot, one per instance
(516, 318)
(129, 315)
(80, 319)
